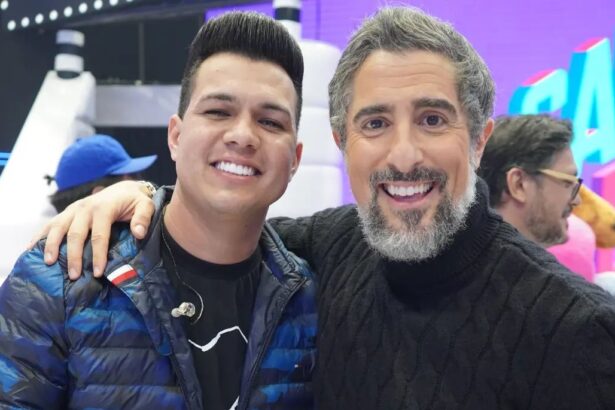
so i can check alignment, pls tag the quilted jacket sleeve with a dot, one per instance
(33, 348)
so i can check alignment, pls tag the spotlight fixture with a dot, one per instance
(26, 14)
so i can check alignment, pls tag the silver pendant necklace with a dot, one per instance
(185, 308)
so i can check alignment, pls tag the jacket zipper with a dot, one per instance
(180, 378)
(243, 404)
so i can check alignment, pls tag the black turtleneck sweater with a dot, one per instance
(493, 322)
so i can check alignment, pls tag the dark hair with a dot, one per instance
(248, 34)
(529, 142)
(61, 199)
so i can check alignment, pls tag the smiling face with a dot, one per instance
(235, 147)
(409, 153)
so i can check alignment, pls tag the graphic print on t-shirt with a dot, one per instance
(215, 340)
(218, 339)
(230, 333)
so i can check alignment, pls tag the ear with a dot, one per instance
(517, 185)
(296, 159)
(173, 135)
(338, 139)
(483, 139)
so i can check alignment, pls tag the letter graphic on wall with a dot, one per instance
(591, 105)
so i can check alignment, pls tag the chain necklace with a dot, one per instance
(185, 308)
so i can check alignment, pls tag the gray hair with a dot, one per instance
(403, 29)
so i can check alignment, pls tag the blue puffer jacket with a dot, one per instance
(90, 344)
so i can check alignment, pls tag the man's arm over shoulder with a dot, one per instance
(312, 237)
(33, 347)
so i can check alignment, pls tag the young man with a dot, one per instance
(532, 177)
(427, 299)
(209, 310)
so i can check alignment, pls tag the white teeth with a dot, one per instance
(406, 191)
(235, 168)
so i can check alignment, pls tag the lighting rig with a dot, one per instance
(28, 14)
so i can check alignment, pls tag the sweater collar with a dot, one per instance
(449, 268)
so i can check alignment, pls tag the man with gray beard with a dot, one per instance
(427, 299)
(415, 242)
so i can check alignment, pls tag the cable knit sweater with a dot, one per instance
(493, 322)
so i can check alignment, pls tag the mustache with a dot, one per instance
(415, 175)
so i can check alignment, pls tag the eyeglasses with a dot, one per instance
(576, 181)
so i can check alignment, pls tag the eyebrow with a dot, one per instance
(230, 98)
(436, 103)
(420, 103)
(569, 171)
(219, 97)
(276, 107)
(371, 110)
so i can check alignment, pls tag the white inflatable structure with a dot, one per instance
(62, 111)
(69, 104)
(318, 182)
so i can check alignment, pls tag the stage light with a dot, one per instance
(79, 11)
(11, 25)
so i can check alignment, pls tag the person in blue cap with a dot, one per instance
(92, 163)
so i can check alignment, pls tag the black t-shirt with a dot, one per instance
(220, 337)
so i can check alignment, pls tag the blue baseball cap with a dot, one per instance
(95, 157)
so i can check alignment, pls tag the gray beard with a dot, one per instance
(415, 242)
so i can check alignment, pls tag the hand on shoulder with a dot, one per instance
(123, 201)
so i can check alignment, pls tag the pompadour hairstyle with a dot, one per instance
(248, 34)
